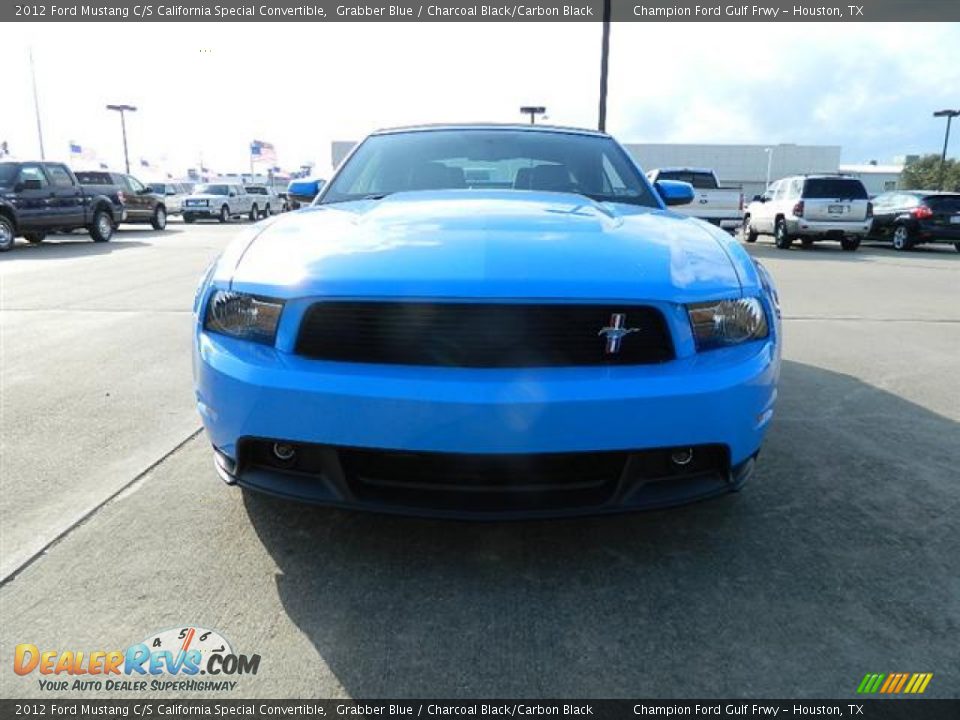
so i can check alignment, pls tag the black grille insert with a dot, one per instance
(480, 335)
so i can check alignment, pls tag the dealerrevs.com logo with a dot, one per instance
(172, 660)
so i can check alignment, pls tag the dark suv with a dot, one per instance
(141, 202)
(913, 217)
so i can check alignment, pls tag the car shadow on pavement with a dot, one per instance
(67, 247)
(839, 556)
(869, 250)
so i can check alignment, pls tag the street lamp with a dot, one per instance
(949, 115)
(533, 111)
(123, 109)
(769, 152)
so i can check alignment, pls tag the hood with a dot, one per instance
(490, 244)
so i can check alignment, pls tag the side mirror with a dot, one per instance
(29, 184)
(674, 192)
(758, 198)
(171, 192)
(233, 193)
(304, 191)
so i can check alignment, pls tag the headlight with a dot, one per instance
(243, 316)
(727, 322)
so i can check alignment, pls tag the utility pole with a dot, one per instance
(123, 109)
(604, 64)
(36, 105)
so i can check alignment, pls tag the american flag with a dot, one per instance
(78, 151)
(144, 163)
(261, 151)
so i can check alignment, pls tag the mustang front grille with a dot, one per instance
(484, 335)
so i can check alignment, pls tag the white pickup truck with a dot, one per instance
(721, 206)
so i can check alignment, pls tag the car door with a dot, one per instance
(68, 196)
(244, 201)
(762, 220)
(34, 197)
(139, 201)
(884, 211)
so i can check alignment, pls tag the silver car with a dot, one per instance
(810, 208)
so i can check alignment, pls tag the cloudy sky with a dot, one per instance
(208, 89)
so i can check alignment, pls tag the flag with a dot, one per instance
(79, 152)
(262, 152)
(103, 166)
(144, 163)
(4, 149)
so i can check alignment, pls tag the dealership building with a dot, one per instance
(743, 166)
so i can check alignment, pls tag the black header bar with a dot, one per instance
(472, 11)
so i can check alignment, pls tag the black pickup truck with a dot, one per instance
(41, 197)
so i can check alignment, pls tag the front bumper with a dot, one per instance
(827, 228)
(722, 398)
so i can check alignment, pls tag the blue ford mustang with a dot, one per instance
(487, 321)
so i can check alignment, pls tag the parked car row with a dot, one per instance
(223, 201)
(810, 208)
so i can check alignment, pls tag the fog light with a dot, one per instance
(283, 451)
(682, 457)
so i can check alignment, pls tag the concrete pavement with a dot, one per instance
(840, 557)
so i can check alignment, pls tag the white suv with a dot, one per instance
(811, 208)
(220, 201)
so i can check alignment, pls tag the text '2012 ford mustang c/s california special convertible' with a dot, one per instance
(487, 321)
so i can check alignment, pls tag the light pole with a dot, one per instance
(123, 109)
(533, 111)
(949, 115)
(604, 62)
(769, 152)
(36, 105)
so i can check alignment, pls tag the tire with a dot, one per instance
(188, 218)
(956, 246)
(159, 219)
(746, 233)
(254, 213)
(267, 212)
(780, 236)
(101, 229)
(901, 238)
(34, 238)
(224, 214)
(849, 244)
(7, 233)
(807, 243)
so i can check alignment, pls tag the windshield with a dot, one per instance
(834, 188)
(483, 159)
(8, 173)
(211, 190)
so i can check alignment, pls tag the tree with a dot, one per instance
(924, 174)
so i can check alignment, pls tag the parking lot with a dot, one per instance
(840, 557)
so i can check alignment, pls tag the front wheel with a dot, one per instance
(780, 235)
(254, 213)
(850, 243)
(7, 234)
(159, 219)
(901, 238)
(746, 232)
(267, 212)
(101, 230)
(956, 246)
(224, 214)
(35, 237)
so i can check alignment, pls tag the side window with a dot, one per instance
(796, 187)
(134, 184)
(781, 190)
(33, 172)
(59, 176)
